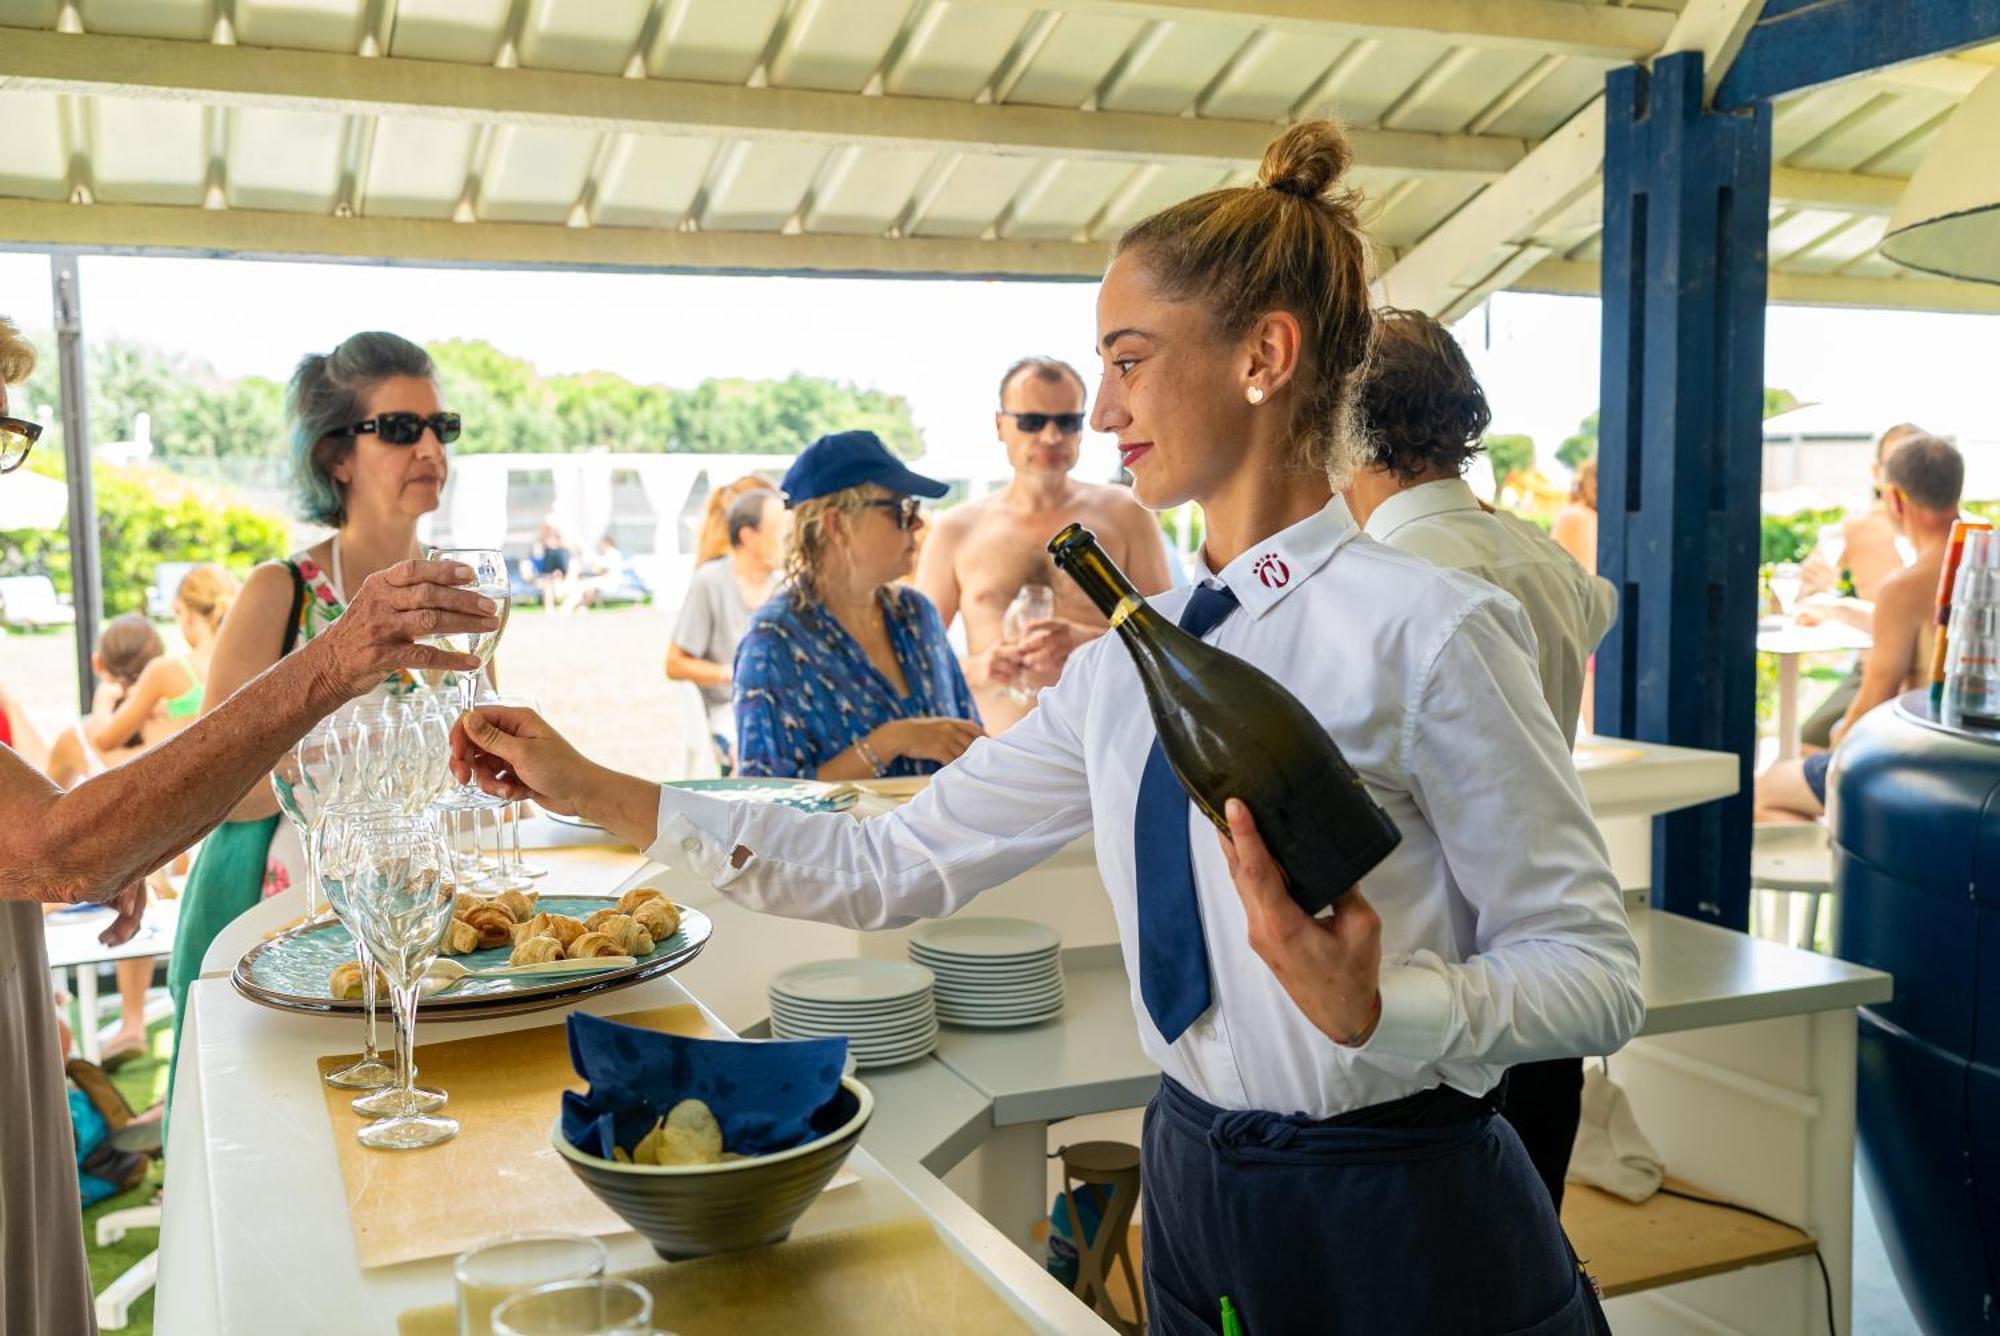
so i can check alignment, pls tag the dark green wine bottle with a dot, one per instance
(1231, 731)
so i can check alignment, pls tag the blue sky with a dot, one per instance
(941, 344)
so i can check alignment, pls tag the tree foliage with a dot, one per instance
(1583, 444)
(1509, 455)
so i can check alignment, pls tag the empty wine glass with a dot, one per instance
(1034, 603)
(333, 860)
(489, 578)
(513, 874)
(302, 779)
(400, 891)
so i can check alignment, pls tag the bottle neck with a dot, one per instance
(1101, 581)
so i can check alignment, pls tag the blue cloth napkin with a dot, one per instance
(768, 1096)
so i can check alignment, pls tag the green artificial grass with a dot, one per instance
(143, 1081)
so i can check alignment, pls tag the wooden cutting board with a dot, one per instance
(891, 1277)
(499, 1174)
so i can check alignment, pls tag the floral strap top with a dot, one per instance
(321, 607)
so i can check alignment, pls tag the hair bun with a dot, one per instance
(1307, 159)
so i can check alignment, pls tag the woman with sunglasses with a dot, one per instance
(369, 433)
(845, 674)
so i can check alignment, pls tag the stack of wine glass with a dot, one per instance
(992, 972)
(882, 1006)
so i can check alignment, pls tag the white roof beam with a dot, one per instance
(1892, 294)
(1606, 32)
(109, 66)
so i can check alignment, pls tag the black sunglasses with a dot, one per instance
(17, 437)
(406, 428)
(907, 511)
(1069, 424)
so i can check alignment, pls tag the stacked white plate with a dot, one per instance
(992, 972)
(884, 1008)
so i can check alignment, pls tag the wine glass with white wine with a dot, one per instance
(489, 578)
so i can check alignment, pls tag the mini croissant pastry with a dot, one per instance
(345, 981)
(463, 904)
(519, 906)
(596, 922)
(660, 918)
(632, 899)
(535, 951)
(592, 945)
(494, 925)
(559, 926)
(623, 929)
(460, 938)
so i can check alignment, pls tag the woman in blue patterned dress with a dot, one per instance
(845, 674)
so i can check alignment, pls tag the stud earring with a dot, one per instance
(1255, 394)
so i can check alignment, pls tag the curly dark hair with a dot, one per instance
(1421, 406)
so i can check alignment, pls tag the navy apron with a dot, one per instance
(1422, 1217)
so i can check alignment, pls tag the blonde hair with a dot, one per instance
(1293, 243)
(714, 540)
(807, 546)
(208, 592)
(17, 355)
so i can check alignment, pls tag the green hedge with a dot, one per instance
(146, 517)
(1793, 537)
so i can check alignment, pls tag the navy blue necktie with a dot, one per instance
(1173, 955)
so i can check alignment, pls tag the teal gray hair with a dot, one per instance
(329, 392)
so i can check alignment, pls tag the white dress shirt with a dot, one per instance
(1504, 937)
(1569, 608)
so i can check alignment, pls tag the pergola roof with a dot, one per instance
(908, 136)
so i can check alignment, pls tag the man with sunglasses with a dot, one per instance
(97, 842)
(980, 555)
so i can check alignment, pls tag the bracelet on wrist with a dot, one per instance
(869, 758)
(1367, 1030)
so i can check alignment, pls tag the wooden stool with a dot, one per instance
(1115, 1165)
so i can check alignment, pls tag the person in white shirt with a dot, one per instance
(1322, 1148)
(1424, 414)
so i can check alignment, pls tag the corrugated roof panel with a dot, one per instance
(1551, 102)
(862, 191)
(1166, 69)
(31, 13)
(954, 49)
(148, 152)
(1903, 159)
(1379, 77)
(757, 187)
(1062, 197)
(283, 159)
(651, 180)
(1147, 191)
(1475, 78)
(1271, 75)
(1798, 229)
(1416, 212)
(417, 169)
(1839, 247)
(1074, 60)
(1796, 122)
(309, 25)
(1874, 129)
(835, 45)
(465, 30)
(34, 165)
(533, 174)
(189, 20)
(712, 43)
(972, 195)
(589, 36)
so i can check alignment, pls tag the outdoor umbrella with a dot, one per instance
(31, 501)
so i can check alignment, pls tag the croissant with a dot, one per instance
(463, 904)
(536, 950)
(596, 922)
(660, 918)
(519, 906)
(561, 927)
(345, 981)
(460, 938)
(632, 939)
(493, 924)
(594, 944)
(637, 896)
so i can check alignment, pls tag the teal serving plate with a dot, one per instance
(290, 972)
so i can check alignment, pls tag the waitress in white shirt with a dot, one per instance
(1322, 1148)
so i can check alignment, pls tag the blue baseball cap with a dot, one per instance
(845, 459)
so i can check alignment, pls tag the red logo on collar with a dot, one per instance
(1271, 571)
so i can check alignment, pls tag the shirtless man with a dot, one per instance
(1921, 484)
(980, 554)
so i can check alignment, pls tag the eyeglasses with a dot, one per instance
(1069, 424)
(906, 511)
(17, 437)
(406, 428)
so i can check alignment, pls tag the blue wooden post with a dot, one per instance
(1686, 208)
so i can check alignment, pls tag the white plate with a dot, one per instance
(793, 1028)
(987, 960)
(1000, 1022)
(817, 1016)
(1025, 998)
(992, 1005)
(987, 969)
(859, 1010)
(852, 981)
(975, 979)
(986, 938)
